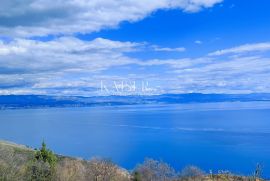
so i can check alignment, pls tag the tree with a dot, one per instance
(42, 167)
(46, 155)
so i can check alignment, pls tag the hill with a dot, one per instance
(19, 163)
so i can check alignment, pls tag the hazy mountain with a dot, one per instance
(22, 101)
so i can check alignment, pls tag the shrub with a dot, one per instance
(101, 169)
(39, 171)
(258, 171)
(151, 170)
(70, 170)
(191, 172)
(137, 176)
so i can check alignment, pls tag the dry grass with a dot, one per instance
(15, 160)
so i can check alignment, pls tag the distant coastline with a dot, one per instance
(43, 101)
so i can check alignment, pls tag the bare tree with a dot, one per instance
(153, 170)
(191, 172)
(101, 170)
(70, 170)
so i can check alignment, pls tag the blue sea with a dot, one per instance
(213, 136)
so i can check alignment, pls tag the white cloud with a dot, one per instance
(198, 42)
(167, 49)
(68, 65)
(69, 54)
(64, 65)
(72, 66)
(65, 54)
(4, 50)
(240, 75)
(43, 17)
(243, 49)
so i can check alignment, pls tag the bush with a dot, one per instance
(39, 171)
(151, 170)
(258, 171)
(137, 176)
(191, 172)
(70, 170)
(101, 169)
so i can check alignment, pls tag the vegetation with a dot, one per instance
(45, 155)
(154, 170)
(42, 166)
(19, 163)
(191, 172)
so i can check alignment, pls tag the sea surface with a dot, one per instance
(213, 136)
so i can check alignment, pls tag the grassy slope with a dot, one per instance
(13, 158)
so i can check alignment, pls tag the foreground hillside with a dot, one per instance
(18, 163)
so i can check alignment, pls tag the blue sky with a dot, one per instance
(79, 47)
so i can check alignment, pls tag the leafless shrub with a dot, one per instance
(39, 170)
(191, 172)
(102, 170)
(258, 171)
(70, 170)
(153, 170)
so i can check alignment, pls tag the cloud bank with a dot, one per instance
(71, 66)
(66, 65)
(65, 17)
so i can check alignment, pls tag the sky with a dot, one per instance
(123, 47)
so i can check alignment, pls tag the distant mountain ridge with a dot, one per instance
(32, 101)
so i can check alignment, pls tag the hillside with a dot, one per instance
(17, 163)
